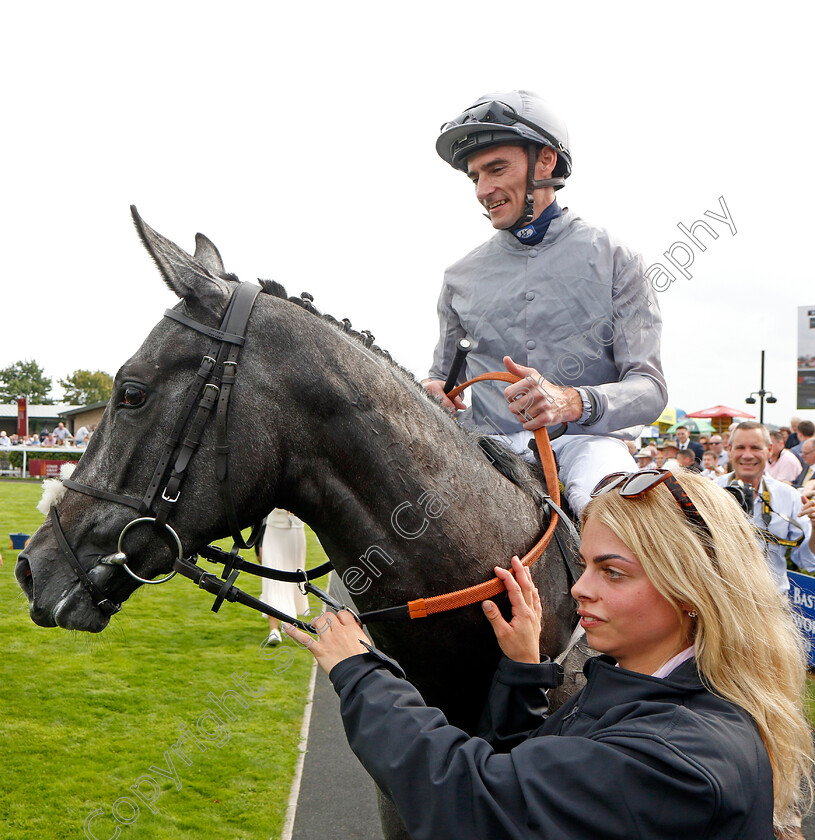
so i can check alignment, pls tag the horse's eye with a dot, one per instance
(133, 397)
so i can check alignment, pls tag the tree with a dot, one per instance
(84, 387)
(25, 379)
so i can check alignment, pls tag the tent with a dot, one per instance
(669, 416)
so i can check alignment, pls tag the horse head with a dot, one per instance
(122, 498)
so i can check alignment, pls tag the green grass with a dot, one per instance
(810, 698)
(84, 716)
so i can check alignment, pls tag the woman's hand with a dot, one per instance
(338, 637)
(520, 638)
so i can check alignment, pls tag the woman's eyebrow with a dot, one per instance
(601, 558)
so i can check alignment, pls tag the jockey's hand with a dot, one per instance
(520, 638)
(436, 387)
(339, 637)
(538, 402)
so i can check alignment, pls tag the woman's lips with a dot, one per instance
(587, 620)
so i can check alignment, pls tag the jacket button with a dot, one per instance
(533, 253)
(530, 345)
(530, 296)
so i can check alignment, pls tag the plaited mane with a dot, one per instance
(526, 476)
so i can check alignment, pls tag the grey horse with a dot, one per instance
(405, 502)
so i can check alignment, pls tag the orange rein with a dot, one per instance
(422, 607)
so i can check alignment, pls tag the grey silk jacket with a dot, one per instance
(577, 307)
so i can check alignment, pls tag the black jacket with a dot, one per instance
(634, 757)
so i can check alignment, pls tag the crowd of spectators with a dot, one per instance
(791, 453)
(59, 436)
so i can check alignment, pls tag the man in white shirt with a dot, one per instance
(5, 440)
(61, 434)
(645, 460)
(777, 507)
(684, 442)
(710, 466)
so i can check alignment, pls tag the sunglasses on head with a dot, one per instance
(631, 485)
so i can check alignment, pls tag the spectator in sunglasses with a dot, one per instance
(717, 445)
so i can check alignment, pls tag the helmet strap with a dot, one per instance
(532, 184)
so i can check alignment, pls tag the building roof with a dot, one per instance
(9, 411)
(79, 409)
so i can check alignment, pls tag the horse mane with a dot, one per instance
(528, 477)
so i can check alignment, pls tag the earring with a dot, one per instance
(692, 613)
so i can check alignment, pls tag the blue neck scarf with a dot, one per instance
(534, 232)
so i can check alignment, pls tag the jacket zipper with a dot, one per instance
(571, 714)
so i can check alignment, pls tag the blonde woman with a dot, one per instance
(690, 724)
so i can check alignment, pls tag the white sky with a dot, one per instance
(300, 139)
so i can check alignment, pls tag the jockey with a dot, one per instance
(561, 303)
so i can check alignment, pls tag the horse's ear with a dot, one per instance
(208, 255)
(196, 279)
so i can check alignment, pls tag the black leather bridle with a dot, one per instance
(209, 392)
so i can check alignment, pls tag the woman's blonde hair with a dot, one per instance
(748, 649)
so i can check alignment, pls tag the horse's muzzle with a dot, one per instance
(25, 580)
(70, 609)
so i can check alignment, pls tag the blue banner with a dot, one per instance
(802, 598)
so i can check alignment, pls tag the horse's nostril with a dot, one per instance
(22, 571)
(23, 566)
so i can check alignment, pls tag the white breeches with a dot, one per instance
(582, 461)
